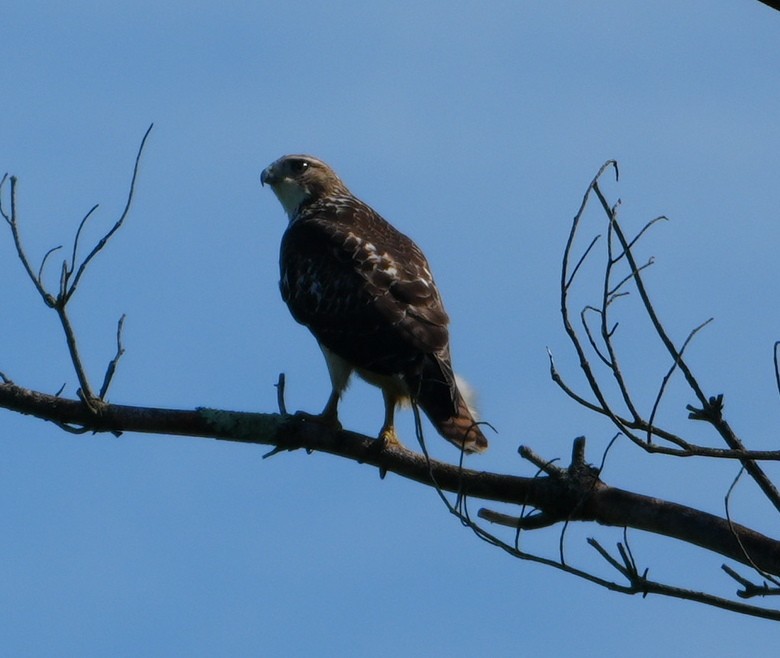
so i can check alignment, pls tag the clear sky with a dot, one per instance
(475, 128)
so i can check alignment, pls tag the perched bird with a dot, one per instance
(366, 292)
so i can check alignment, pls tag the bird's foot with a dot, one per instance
(328, 420)
(388, 439)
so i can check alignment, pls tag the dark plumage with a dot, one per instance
(366, 292)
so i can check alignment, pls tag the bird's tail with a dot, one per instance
(462, 429)
(441, 400)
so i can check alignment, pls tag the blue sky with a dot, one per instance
(475, 128)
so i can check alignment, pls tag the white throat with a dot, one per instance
(290, 195)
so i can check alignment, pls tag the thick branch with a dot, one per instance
(556, 497)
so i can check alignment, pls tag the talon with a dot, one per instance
(388, 438)
(328, 420)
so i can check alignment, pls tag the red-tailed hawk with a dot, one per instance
(366, 292)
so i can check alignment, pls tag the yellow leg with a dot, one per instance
(387, 434)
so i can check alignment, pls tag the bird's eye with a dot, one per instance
(299, 166)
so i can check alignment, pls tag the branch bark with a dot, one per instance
(567, 495)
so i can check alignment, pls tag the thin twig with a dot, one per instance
(709, 410)
(78, 236)
(13, 222)
(589, 333)
(3, 213)
(585, 366)
(686, 449)
(718, 422)
(613, 293)
(581, 261)
(748, 559)
(43, 263)
(111, 369)
(102, 242)
(70, 338)
(750, 589)
(547, 466)
(606, 333)
(642, 231)
(534, 521)
(777, 366)
(668, 377)
(280, 394)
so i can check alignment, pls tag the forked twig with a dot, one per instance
(111, 369)
(749, 588)
(668, 377)
(70, 276)
(73, 284)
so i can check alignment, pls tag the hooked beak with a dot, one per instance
(267, 176)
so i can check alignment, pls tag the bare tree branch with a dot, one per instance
(559, 496)
(554, 496)
(710, 411)
(117, 225)
(68, 283)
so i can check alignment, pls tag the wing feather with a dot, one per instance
(362, 287)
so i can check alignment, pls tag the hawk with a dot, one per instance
(366, 292)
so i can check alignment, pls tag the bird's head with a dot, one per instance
(298, 179)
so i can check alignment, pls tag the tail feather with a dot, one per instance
(441, 400)
(462, 430)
